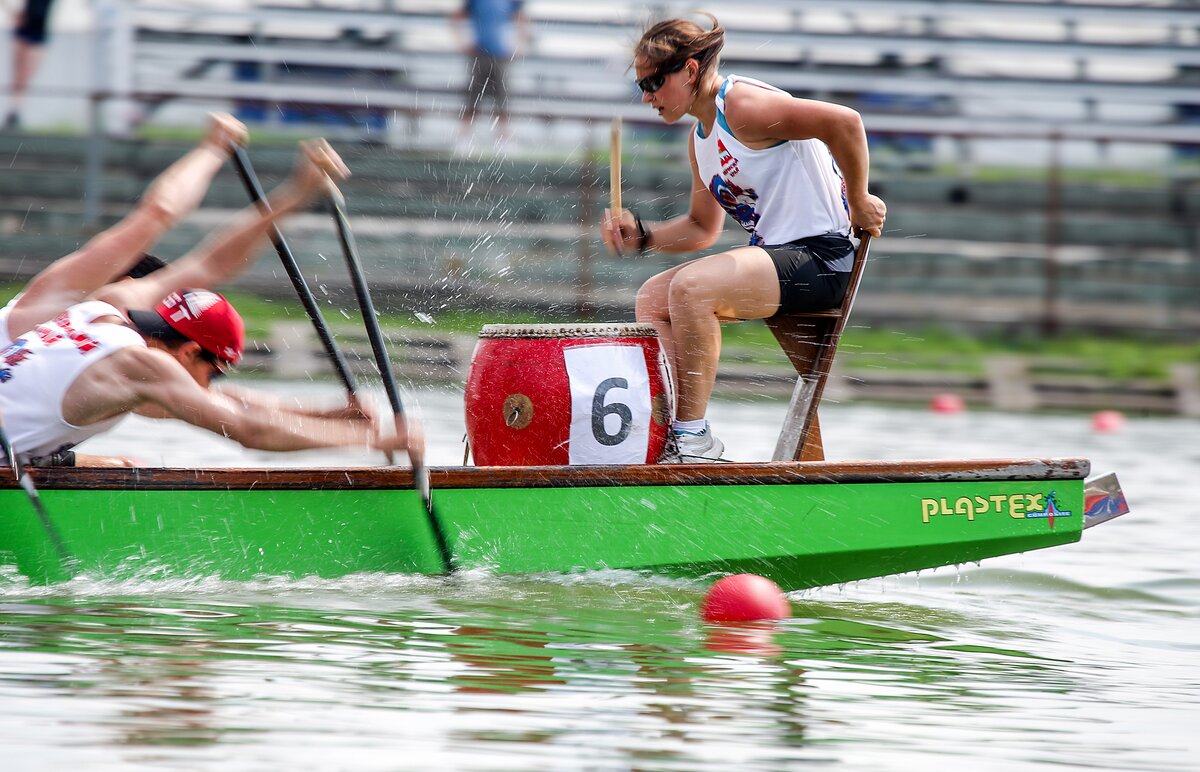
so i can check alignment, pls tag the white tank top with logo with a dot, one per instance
(38, 368)
(789, 191)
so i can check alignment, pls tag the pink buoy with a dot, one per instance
(1108, 421)
(947, 402)
(744, 598)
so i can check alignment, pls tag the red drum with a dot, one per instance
(550, 394)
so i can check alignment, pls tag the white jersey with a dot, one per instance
(789, 191)
(38, 368)
(5, 333)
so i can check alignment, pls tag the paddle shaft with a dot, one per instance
(245, 170)
(363, 294)
(35, 500)
(379, 349)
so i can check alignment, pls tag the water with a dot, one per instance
(1077, 656)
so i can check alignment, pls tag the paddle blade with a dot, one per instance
(10, 454)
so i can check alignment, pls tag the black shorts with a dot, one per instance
(808, 279)
(32, 28)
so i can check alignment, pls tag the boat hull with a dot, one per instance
(801, 524)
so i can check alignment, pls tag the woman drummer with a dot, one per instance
(792, 172)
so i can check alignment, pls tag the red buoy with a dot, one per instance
(744, 598)
(947, 402)
(1108, 421)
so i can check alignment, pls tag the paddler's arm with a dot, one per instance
(759, 115)
(225, 255)
(697, 230)
(156, 380)
(70, 458)
(118, 462)
(172, 196)
(355, 407)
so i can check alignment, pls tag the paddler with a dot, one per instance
(120, 250)
(154, 345)
(792, 172)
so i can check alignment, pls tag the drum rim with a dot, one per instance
(581, 330)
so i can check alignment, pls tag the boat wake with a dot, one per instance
(153, 581)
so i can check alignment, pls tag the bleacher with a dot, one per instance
(941, 86)
(982, 70)
(438, 232)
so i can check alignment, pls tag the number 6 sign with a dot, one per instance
(610, 404)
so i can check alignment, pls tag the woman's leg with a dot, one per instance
(653, 307)
(741, 284)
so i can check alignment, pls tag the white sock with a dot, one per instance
(699, 426)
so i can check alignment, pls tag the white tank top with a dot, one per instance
(779, 194)
(38, 368)
(5, 333)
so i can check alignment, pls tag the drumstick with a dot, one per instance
(614, 167)
(614, 178)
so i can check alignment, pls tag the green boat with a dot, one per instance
(802, 524)
(800, 520)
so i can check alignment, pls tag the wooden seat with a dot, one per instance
(810, 340)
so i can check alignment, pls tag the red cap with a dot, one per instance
(208, 319)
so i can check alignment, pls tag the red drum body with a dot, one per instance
(549, 394)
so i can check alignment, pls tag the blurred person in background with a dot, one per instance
(29, 44)
(499, 32)
(792, 172)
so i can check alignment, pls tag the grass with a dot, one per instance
(863, 348)
(1074, 175)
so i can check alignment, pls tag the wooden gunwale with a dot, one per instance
(374, 478)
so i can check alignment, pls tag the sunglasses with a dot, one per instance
(652, 83)
(219, 366)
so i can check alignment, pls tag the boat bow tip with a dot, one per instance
(1103, 500)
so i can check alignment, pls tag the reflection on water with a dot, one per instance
(1077, 656)
(480, 672)
(635, 680)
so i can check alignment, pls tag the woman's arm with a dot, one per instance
(760, 117)
(698, 229)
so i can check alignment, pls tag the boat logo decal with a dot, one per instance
(1019, 506)
(1098, 505)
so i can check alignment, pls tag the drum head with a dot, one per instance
(559, 331)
